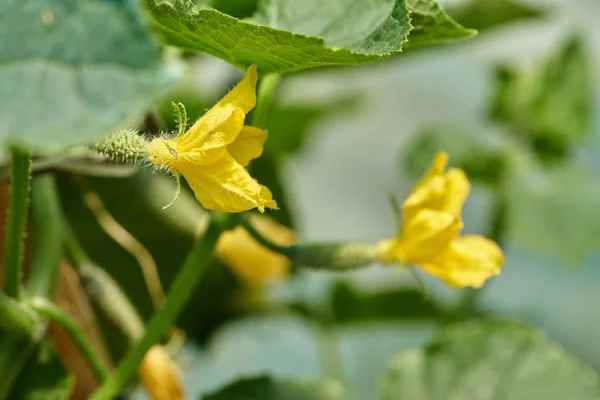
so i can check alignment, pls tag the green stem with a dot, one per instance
(58, 316)
(264, 100)
(17, 220)
(17, 319)
(249, 227)
(48, 237)
(188, 277)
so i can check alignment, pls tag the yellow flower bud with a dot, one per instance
(160, 375)
(251, 262)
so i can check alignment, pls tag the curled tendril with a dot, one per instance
(177, 191)
(181, 114)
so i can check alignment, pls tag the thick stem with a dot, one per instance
(188, 277)
(48, 237)
(58, 316)
(266, 90)
(17, 220)
(17, 319)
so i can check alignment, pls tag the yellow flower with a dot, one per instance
(430, 231)
(213, 153)
(251, 262)
(160, 375)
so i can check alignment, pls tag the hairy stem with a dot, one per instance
(188, 277)
(58, 316)
(17, 220)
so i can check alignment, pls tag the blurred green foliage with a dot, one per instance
(266, 388)
(549, 107)
(43, 377)
(480, 158)
(485, 14)
(350, 305)
(487, 360)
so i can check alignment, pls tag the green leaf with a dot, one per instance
(549, 107)
(266, 388)
(485, 14)
(288, 41)
(285, 36)
(432, 25)
(486, 360)
(72, 71)
(350, 305)
(554, 212)
(481, 160)
(43, 377)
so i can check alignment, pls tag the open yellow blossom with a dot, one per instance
(213, 153)
(431, 225)
(160, 375)
(248, 260)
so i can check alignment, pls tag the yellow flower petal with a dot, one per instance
(243, 95)
(429, 195)
(438, 190)
(457, 191)
(426, 235)
(160, 375)
(252, 263)
(248, 145)
(468, 261)
(226, 186)
(438, 168)
(217, 128)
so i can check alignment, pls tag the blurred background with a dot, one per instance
(515, 106)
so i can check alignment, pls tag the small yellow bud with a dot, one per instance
(160, 375)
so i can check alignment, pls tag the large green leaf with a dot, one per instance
(266, 388)
(72, 70)
(554, 212)
(431, 25)
(548, 107)
(43, 378)
(285, 35)
(487, 360)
